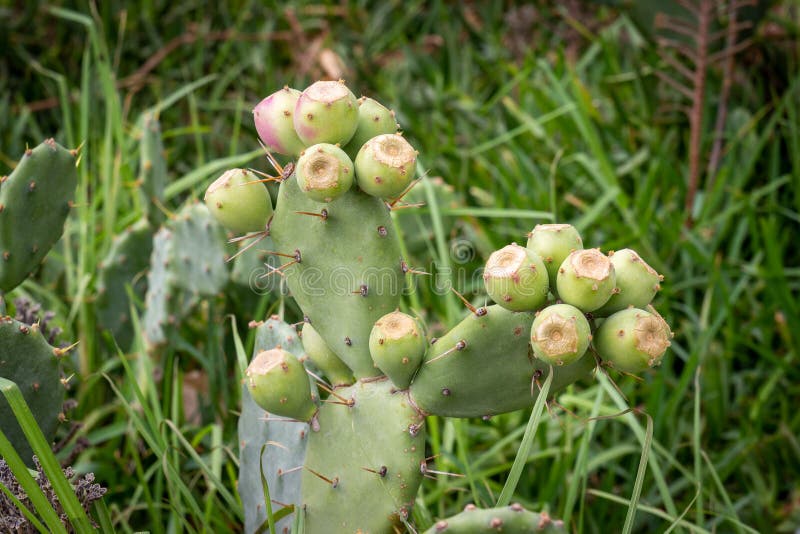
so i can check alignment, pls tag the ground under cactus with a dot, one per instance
(560, 312)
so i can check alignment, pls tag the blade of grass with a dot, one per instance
(527, 444)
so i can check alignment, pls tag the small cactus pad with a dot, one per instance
(324, 358)
(482, 367)
(637, 282)
(373, 119)
(326, 112)
(554, 242)
(385, 165)
(516, 278)
(125, 265)
(187, 264)
(560, 334)
(512, 519)
(285, 442)
(278, 383)
(28, 360)
(346, 274)
(239, 202)
(361, 476)
(152, 169)
(586, 279)
(324, 172)
(632, 340)
(274, 121)
(35, 200)
(397, 344)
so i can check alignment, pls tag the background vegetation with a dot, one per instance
(532, 112)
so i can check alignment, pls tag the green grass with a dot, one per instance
(548, 135)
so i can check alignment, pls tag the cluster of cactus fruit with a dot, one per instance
(353, 460)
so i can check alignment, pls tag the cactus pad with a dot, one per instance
(512, 519)
(35, 200)
(28, 360)
(349, 271)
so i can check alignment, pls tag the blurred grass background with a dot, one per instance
(532, 112)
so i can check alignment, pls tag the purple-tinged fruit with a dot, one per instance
(397, 344)
(516, 278)
(554, 242)
(324, 172)
(326, 112)
(632, 340)
(278, 383)
(637, 282)
(274, 121)
(373, 120)
(560, 334)
(385, 166)
(239, 202)
(586, 279)
(324, 358)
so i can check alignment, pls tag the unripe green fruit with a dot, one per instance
(326, 112)
(278, 383)
(397, 344)
(586, 279)
(516, 278)
(560, 334)
(324, 358)
(324, 172)
(637, 282)
(632, 340)
(274, 122)
(385, 165)
(373, 120)
(554, 242)
(238, 204)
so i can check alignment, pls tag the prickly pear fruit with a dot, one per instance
(373, 120)
(278, 383)
(632, 340)
(326, 112)
(397, 344)
(274, 119)
(516, 278)
(324, 358)
(385, 165)
(29, 361)
(35, 200)
(554, 242)
(237, 203)
(324, 172)
(636, 280)
(512, 519)
(560, 334)
(586, 279)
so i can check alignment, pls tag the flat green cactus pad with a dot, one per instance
(512, 519)
(35, 200)
(28, 360)
(371, 454)
(349, 272)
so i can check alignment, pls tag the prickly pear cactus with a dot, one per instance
(187, 264)
(28, 360)
(512, 519)
(35, 200)
(152, 169)
(364, 441)
(125, 265)
(285, 441)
